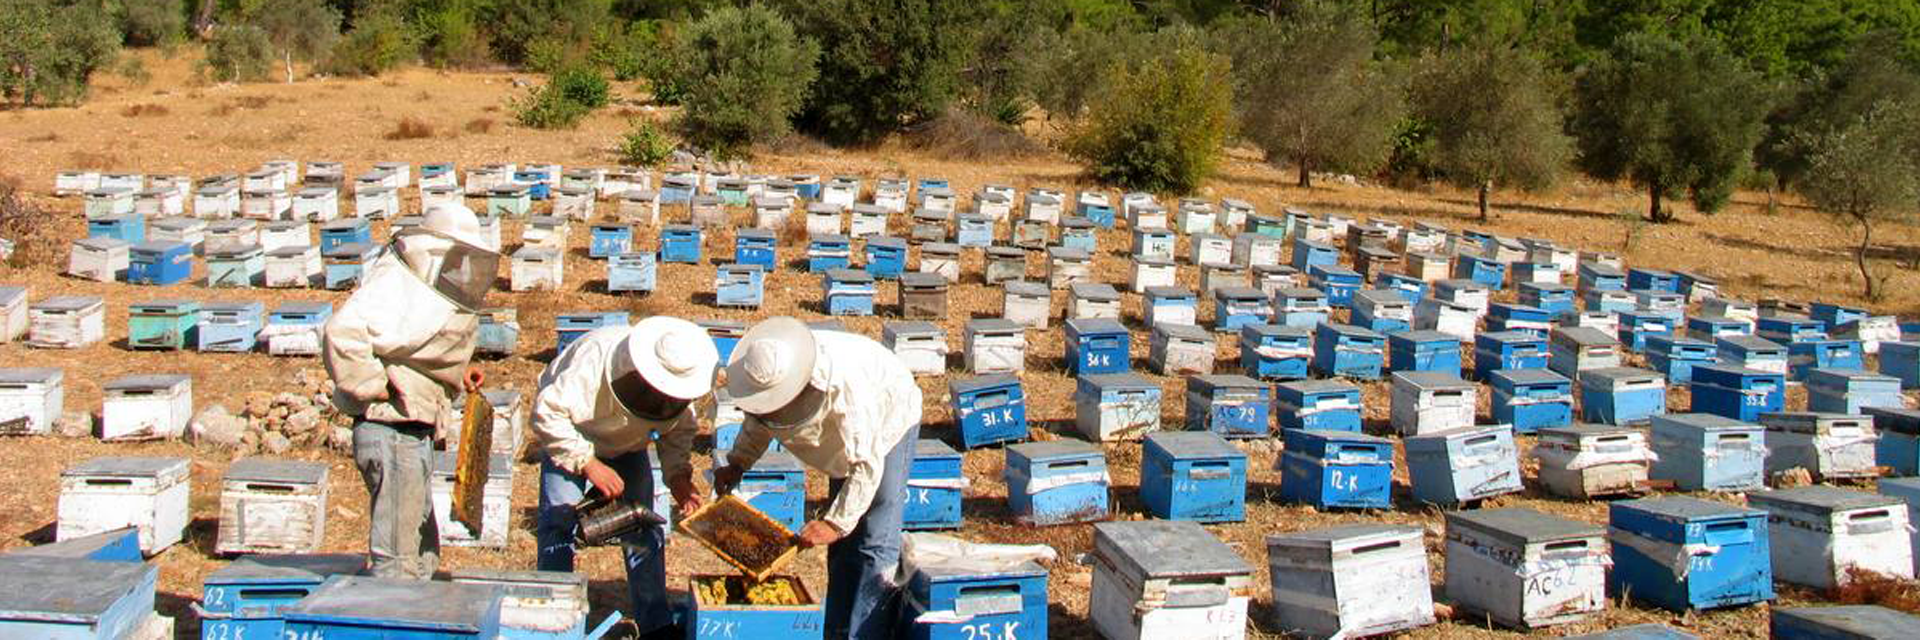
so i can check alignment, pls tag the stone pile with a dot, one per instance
(274, 423)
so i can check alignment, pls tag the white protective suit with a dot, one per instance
(872, 401)
(397, 337)
(576, 416)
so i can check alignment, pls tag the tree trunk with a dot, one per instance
(1860, 258)
(1486, 189)
(203, 20)
(1306, 177)
(1654, 212)
(289, 58)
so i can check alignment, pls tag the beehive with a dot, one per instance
(295, 267)
(1586, 460)
(100, 259)
(1193, 475)
(1349, 581)
(52, 597)
(1116, 406)
(237, 266)
(1524, 568)
(496, 501)
(1683, 553)
(1458, 466)
(922, 346)
(103, 494)
(1026, 304)
(934, 487)
(246, 597)
(66, 322)
(537, 268)
(989, 409)
(345, 266)
(345, 606)
(995, 345)
(272, 506)
(1336, 469)
(1830, 446)
(1159, 579)
(1430, 402)
(1181, 349)
(1819, 534)
(30, 400)
(293, 329)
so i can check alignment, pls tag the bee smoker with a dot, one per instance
(604, 521)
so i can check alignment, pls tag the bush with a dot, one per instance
(450, 36)
(644, 145)
(546, 108)
(518, 24)
(147, 23)
(748, 73)
(238, 53)
(51, 49)
(963, 134)
(884, 63)
(377, 44)
(582, 86)
(1159, 124)
(624, 49)
(410, 128)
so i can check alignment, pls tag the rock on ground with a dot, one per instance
(215, 425)
(74, 424)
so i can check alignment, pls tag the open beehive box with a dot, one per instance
(743, 536)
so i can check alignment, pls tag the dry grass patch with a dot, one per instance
(45, 137)
(143, 109)
(410, 128)
(959, 134)
(479, 125)
(91, 160)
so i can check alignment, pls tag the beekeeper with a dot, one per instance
(849, 407)
(600, 403)
(399, 351)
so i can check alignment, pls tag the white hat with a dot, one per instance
(771, 365)
(673, 355)
(456, 221)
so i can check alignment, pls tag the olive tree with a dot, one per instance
(1866, 172)
(1493, 119)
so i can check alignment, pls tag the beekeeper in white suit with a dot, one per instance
(848, 406)
(610, 395)
(399, 351)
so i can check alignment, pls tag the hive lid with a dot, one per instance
(499, 466)
(163, 306)
(364, 250)
(1169, 292)
(977, 383)
(1751, 344)
(1328, 537)
(1239, 293)
(1436, 380)
(144, 382)
(303, 307)
(913, 328)
(841, 275)
(918, 280)
(67, 303)
(1513, 377)
(1685, 508)
(126, 467)
(12, 295)
(1193, 444)
(1521, 526)
(384, 602)
(1085, 326)
(992, 325)
(1319, 386)
(1118, 381)
(933, 448)
(1820, 499)
(1096, 291)
(521, 577)
(1854, 621)
(66, 590)
(777, 462)
(292, 251)
(102, 243)
(281, 568)
(1055, 449)
(1701, 422)
(287, 471)
(31, 375)
(1025, 288)
(1594, 377)
(1166, 549)
(1068, 253)
(1011, 253)
(1182, 331)
(829, 238)
(160, 246)
(1587, 430)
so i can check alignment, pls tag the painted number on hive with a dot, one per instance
(1342, 481)
(226, 631)
(721, 628)
(992, 631)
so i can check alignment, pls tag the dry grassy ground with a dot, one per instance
(176, 126)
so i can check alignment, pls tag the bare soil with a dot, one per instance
(176, 126)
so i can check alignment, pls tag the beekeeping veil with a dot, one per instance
(447, 252)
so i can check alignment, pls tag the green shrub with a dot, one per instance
(747, 73)
(644, 145)
(48, 50)
(377, 44)
(883, 63)
(152, 22)
(237, 53)
(624, 49)
(1158, 124)
(546, 108)
(583, 86)
(450, 36)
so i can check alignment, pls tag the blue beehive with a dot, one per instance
(1409, 287)
(1275, 352)
(1682, 553)
(129, 229)
(1347, 350)
(1100, 214)
(1307, 254)
(1230, 405)
(680, 243)
(1381, 311)
(740, 285)
(1236, 307)
(1423, 350)
(1337, 281)
(1077, 233)
(1752, 352)
(568, 327)
(934, 487)
(1306, 308)
(347, 263)
(1676, 356)
(989, 409)
(886, 257)
(1056, 482)
(1833, 316)
(1513, 317)
(245, 599)
(725, 334)
(1508, 350)
(368, 608)
(1662, 302)
(1462, 465)
(535, 181)
(1621, 395)
(1705, 452)
(1607, 300)
(973, 230)
(1193, 475)
(343, 231)
(976, 602)
(1317, 405)
(1552, 298)
(848, 292)
(636, 271)
(1654, 279)
(1531, 399)
(1329, 469)
(1788, 329)
(73, 598)
(1486, 271)
(1096, 345)
(1153, 242)
(235, 265)
(1850, 390)
(1735, 392)
(1863, 621)
(677, 189)
(1805, 356)
(162, 324)
(1901, 360)
(1899, 444)
(1170, 304)
(1602, 277)
(160, 263)
(777, 486)
(232, 327)
(118, 545)
(610, 239)
(754, 246)
(1636, 326)
(828, 252)
(1528, 271)
(1710, 328)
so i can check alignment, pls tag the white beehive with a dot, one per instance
(216, 202)
(295, 267)
(316, 204)
(13, 314)
(573, 204)
(376, 202)
(30, 400)
(146, 407)
(1430, 402)
(1171, 580)
(1207, 248)
(265, 204)
(66, 322)
(99, 259)
(1829, 445)
(76, 182)
(1350, 581)
(640, 205)
(546, 231)
(1028, 304)
(868, 221)
(771, 212)
(1151, 272)
(439, 195)
(1093, 300)
(624, 179)
(400, 174)
(1523, 568)
(537, 268)
(1254, 249)
(1819, 534)
(496, 502)
(995, 345)
(155, 202)
(272, 506)
(284, 233)
(104, 494)
(188, 231)
(484, 178)
(106, 202)
(1434, 314)
(922, 346)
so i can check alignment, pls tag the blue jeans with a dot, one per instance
(403, 538)
(645, 550)
(862, 599)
